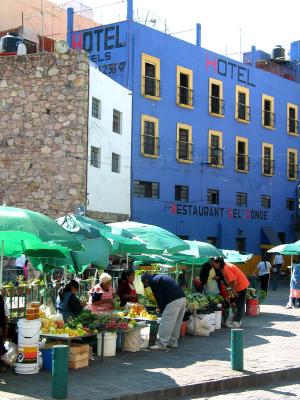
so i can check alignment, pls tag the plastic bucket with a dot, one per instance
(110, 344)
(145, 337)
(183, 328)
(218, 320)
(27, 359)
(252, 307)
(213, 322)
(47, 359)
(29, 331)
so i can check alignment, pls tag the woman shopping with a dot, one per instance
(295, 285)
(263, 268)
(126, 289)
(67, 302)
(101, 295)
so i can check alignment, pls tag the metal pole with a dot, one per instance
(60, 369)
(1, 264)
(237, 349)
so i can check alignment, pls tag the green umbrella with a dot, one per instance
(233, 256)
(288, 249)
(150, 259)
(156, 239)
(198, 251)
(24, 230)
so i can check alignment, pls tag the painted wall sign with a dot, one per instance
(106, 46)
(228, 68)
(219, 212)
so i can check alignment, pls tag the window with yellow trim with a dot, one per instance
(292, 119)
(215, 149)
(268, 114)
(292, 164)
(242, 162)
(184, 82)
(242, 104)
(149, 136)
(216, 102)
(150, 77)
(267, 159)
(184, 145)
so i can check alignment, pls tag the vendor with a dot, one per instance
(126, 289)
(101, 295)
(67, 302)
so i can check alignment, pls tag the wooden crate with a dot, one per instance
(77, 348)
(79, 364)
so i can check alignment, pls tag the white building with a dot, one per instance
(109, 148)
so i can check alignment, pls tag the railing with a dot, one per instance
(150, 145)
(216, 156)
(185, 96)
(268, 118)
(293, 126)
(216, 105)
(268, 166)
(293, 171)
(151, 86)
(184, 151)
(243, 112)
(242, 162)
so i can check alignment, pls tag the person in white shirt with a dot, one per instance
(19, 264)
(278, 262)
(263, 268)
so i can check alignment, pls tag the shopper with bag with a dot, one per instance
(263, 269)
(171, 302)
(3, 331)
(238, 283)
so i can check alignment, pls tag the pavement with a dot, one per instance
(200, 365)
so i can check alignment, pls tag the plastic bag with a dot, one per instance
(10, 357)
(132, 341)
(199, 325)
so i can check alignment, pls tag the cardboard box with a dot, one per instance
(79, 364)
(77, 348)
(79, 356)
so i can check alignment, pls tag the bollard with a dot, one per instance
(60, 369)
(237, 349)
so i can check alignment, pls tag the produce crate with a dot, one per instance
(77, 348)
(79, 364)
(79, 355)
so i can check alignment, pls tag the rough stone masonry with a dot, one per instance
(43, 131)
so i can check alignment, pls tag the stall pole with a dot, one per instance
(60, 369)
(237, 349)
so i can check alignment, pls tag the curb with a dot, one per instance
(250, 380)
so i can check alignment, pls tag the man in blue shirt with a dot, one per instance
(171, 302)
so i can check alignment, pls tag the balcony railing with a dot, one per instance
(216, 105)
(293, 126)
(184, 151)
(243, 112)
(293, 171)
(216, 156)
(185, 96)
(150, 145)
(268, 118)
(151, 86)
(268, 166)
(242, 162)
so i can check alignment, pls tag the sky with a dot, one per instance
(228, 26)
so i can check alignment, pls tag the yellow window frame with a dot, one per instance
(219, 83)
(271, 99)
(190, 137)
(243, 140)
(219, 134)
(188, 72)
(295, 107)
(146, 58)
(246, 91)
(265, 146)
(156, 135)
(295, 152)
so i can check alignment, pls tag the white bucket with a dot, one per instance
(218, 319)
(213, 321)
(145, 335)
(110, 344)
(29, 331)
(27, 359)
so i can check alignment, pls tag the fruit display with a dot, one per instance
(196, 302)
(58, 327)
(138, 311)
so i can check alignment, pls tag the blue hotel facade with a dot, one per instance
(215, 142)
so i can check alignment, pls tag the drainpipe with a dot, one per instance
(253, 56)
(130, 10)
(198, 35)
(70, 24)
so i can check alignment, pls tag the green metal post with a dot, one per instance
(60, 369)
(237, 349)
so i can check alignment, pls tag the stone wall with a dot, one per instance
(43, 131)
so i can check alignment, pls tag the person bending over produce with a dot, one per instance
(67, 303)
(126, 289)
(101, 295)
(171, 302)
(238, 283)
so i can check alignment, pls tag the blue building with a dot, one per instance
(215, 142)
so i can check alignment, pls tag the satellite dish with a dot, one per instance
(61, 46)
(22, 50)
